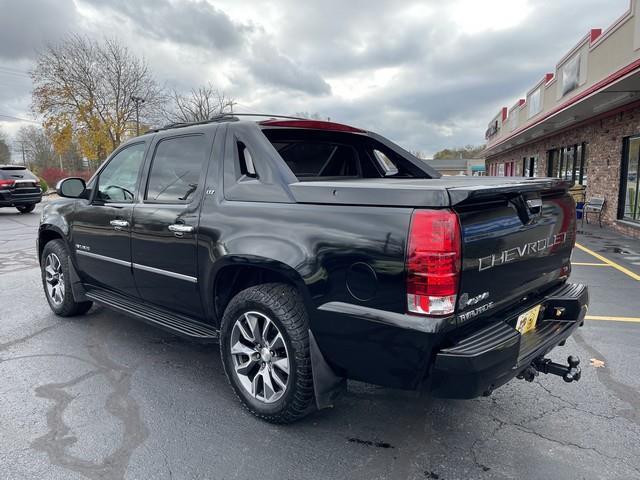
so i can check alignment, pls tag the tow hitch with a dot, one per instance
(569, 373)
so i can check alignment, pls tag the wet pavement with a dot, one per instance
(105, 397)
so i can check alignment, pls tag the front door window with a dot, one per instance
(118, 180)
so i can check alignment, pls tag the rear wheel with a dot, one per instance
(26, 208)
(265, 352)
(56, 281)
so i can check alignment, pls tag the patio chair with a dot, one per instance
(593, 205)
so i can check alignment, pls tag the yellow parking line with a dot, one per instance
(612, 319)
(613, 264)
(587, 264)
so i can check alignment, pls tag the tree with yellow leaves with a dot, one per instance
(85, 91)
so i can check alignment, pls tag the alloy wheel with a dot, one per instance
(260, 357)
(54, 278)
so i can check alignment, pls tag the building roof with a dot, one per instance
(599, 76)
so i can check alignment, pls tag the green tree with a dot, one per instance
(5, 154)
(468, 151)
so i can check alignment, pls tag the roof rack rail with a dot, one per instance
(222, 117)
(269, 116)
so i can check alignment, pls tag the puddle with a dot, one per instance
(618, 250)
(370, 443)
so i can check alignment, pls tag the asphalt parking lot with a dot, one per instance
(105, 397)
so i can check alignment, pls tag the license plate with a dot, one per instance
(527, 320)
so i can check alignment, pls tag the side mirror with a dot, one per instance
(71, 187)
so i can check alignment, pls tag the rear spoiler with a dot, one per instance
(461, 195)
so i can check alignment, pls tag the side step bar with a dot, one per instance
(175, 323)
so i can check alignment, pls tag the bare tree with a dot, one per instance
(35, 147)
(198, 105)
(86, 90)
(310, 116)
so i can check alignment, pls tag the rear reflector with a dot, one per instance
(433, 262)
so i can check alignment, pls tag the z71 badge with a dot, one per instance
(465, 301)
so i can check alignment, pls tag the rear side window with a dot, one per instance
(316, 155)
(319, 159)
(176, 169)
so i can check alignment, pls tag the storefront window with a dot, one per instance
(629, 190)
(530, 166)
(568, 163)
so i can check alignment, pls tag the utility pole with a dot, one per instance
(230, 104)
(137, 101)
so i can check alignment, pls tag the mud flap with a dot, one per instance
(326, 384)
(77, 288)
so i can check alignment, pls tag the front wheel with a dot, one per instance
(57, 283)
(26, 208)
(265, 352)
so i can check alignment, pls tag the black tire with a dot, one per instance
(66, 305)
(284, 307)
(26, 208)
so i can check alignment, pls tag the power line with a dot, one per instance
(19, 75)
(13, 71)
(18, 118)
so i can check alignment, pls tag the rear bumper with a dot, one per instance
(488, 358)
(9, 199)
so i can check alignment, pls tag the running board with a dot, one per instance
(175, 323)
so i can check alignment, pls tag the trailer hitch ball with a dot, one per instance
(569, 373)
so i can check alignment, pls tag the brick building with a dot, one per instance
(582, 123)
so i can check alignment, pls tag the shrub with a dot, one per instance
(53, 175)
(44, 185)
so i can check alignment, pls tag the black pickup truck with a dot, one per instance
(314, 252)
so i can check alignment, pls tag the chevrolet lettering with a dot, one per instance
(521, 251)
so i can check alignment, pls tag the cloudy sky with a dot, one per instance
(428, 74)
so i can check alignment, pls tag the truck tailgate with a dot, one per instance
(514, 243)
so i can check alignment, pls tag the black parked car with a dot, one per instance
(315, 252)
(19, 188)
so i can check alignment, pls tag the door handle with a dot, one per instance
(119, 224)
(178, 229)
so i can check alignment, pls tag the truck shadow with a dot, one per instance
(160, 387)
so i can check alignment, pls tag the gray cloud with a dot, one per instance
(197, 23)
(274, 68)
(27, 25)
(447, 83)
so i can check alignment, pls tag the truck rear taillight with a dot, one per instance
(6, 183)
(433, 262)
